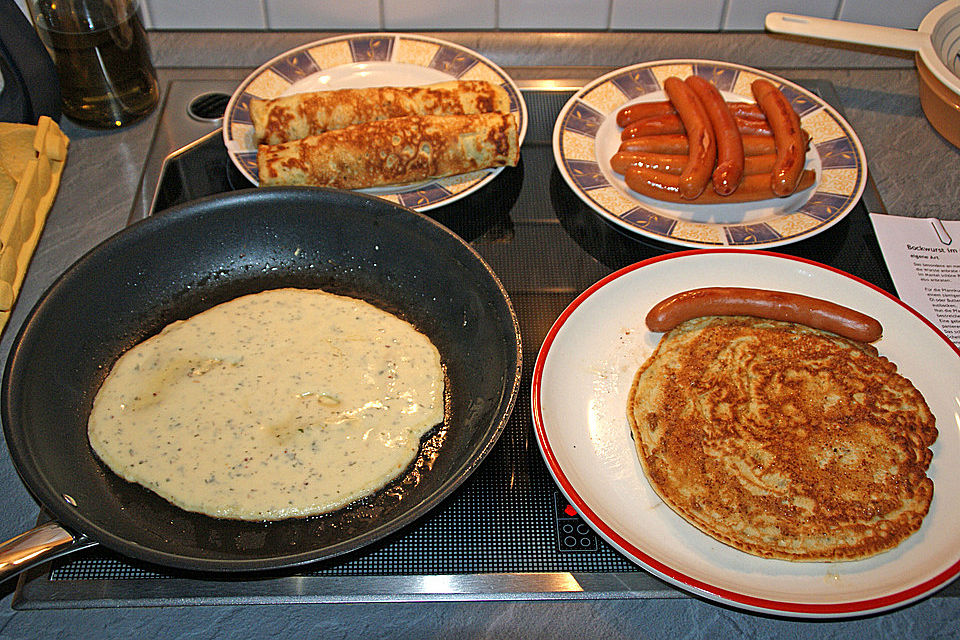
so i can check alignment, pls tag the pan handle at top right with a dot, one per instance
(40, 544)
(841, 31)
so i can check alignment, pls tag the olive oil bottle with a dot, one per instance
(102, 56)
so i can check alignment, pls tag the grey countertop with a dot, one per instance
(915, 171)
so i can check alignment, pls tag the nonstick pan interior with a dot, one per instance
(194, 256)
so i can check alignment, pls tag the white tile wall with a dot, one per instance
(209, 14)
(749, 14)
(552, 14)
(145, 14)
(597, 15)
(323, 14)
(443, 14)
(656, 15)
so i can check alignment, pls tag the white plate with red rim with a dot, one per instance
(586, 136)
(581, 382)
(369, 60)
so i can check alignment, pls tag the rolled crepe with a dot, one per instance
(306, 114)
(394, 151)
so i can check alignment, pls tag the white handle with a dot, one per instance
(839, 31)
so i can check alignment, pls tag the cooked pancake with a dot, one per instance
(782, 440)
(394, 151)
(278, 404)
(306, 114)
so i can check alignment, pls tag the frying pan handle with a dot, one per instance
(43, 543)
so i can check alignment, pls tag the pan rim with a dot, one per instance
(31, 472)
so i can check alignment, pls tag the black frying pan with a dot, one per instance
(204, 252)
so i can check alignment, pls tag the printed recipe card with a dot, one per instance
(923, 256)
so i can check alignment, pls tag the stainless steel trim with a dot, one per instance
(168, 158)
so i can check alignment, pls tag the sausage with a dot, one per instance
(653, 126)
(633, 112)
(729, 170)
(675, 162)
(752, 165)
(664, 186)
(762, 303)
(787, 134)
(677, 143)
(702, 145)
(667, 143)
(671, 123)
(753, 126)
(666, 162)
(746, 110)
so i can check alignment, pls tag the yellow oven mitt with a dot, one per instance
(31, 162)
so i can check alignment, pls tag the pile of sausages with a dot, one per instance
(697, 148)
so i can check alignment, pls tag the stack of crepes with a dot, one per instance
(370, 137)
(31, 162)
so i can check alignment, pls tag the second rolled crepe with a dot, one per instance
(393, 151)
(303, 114)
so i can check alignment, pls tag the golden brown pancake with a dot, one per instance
(783, 441)
(394, 151)
(305, 114)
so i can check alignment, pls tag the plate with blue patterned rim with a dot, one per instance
(369, 60)
(586, 136)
